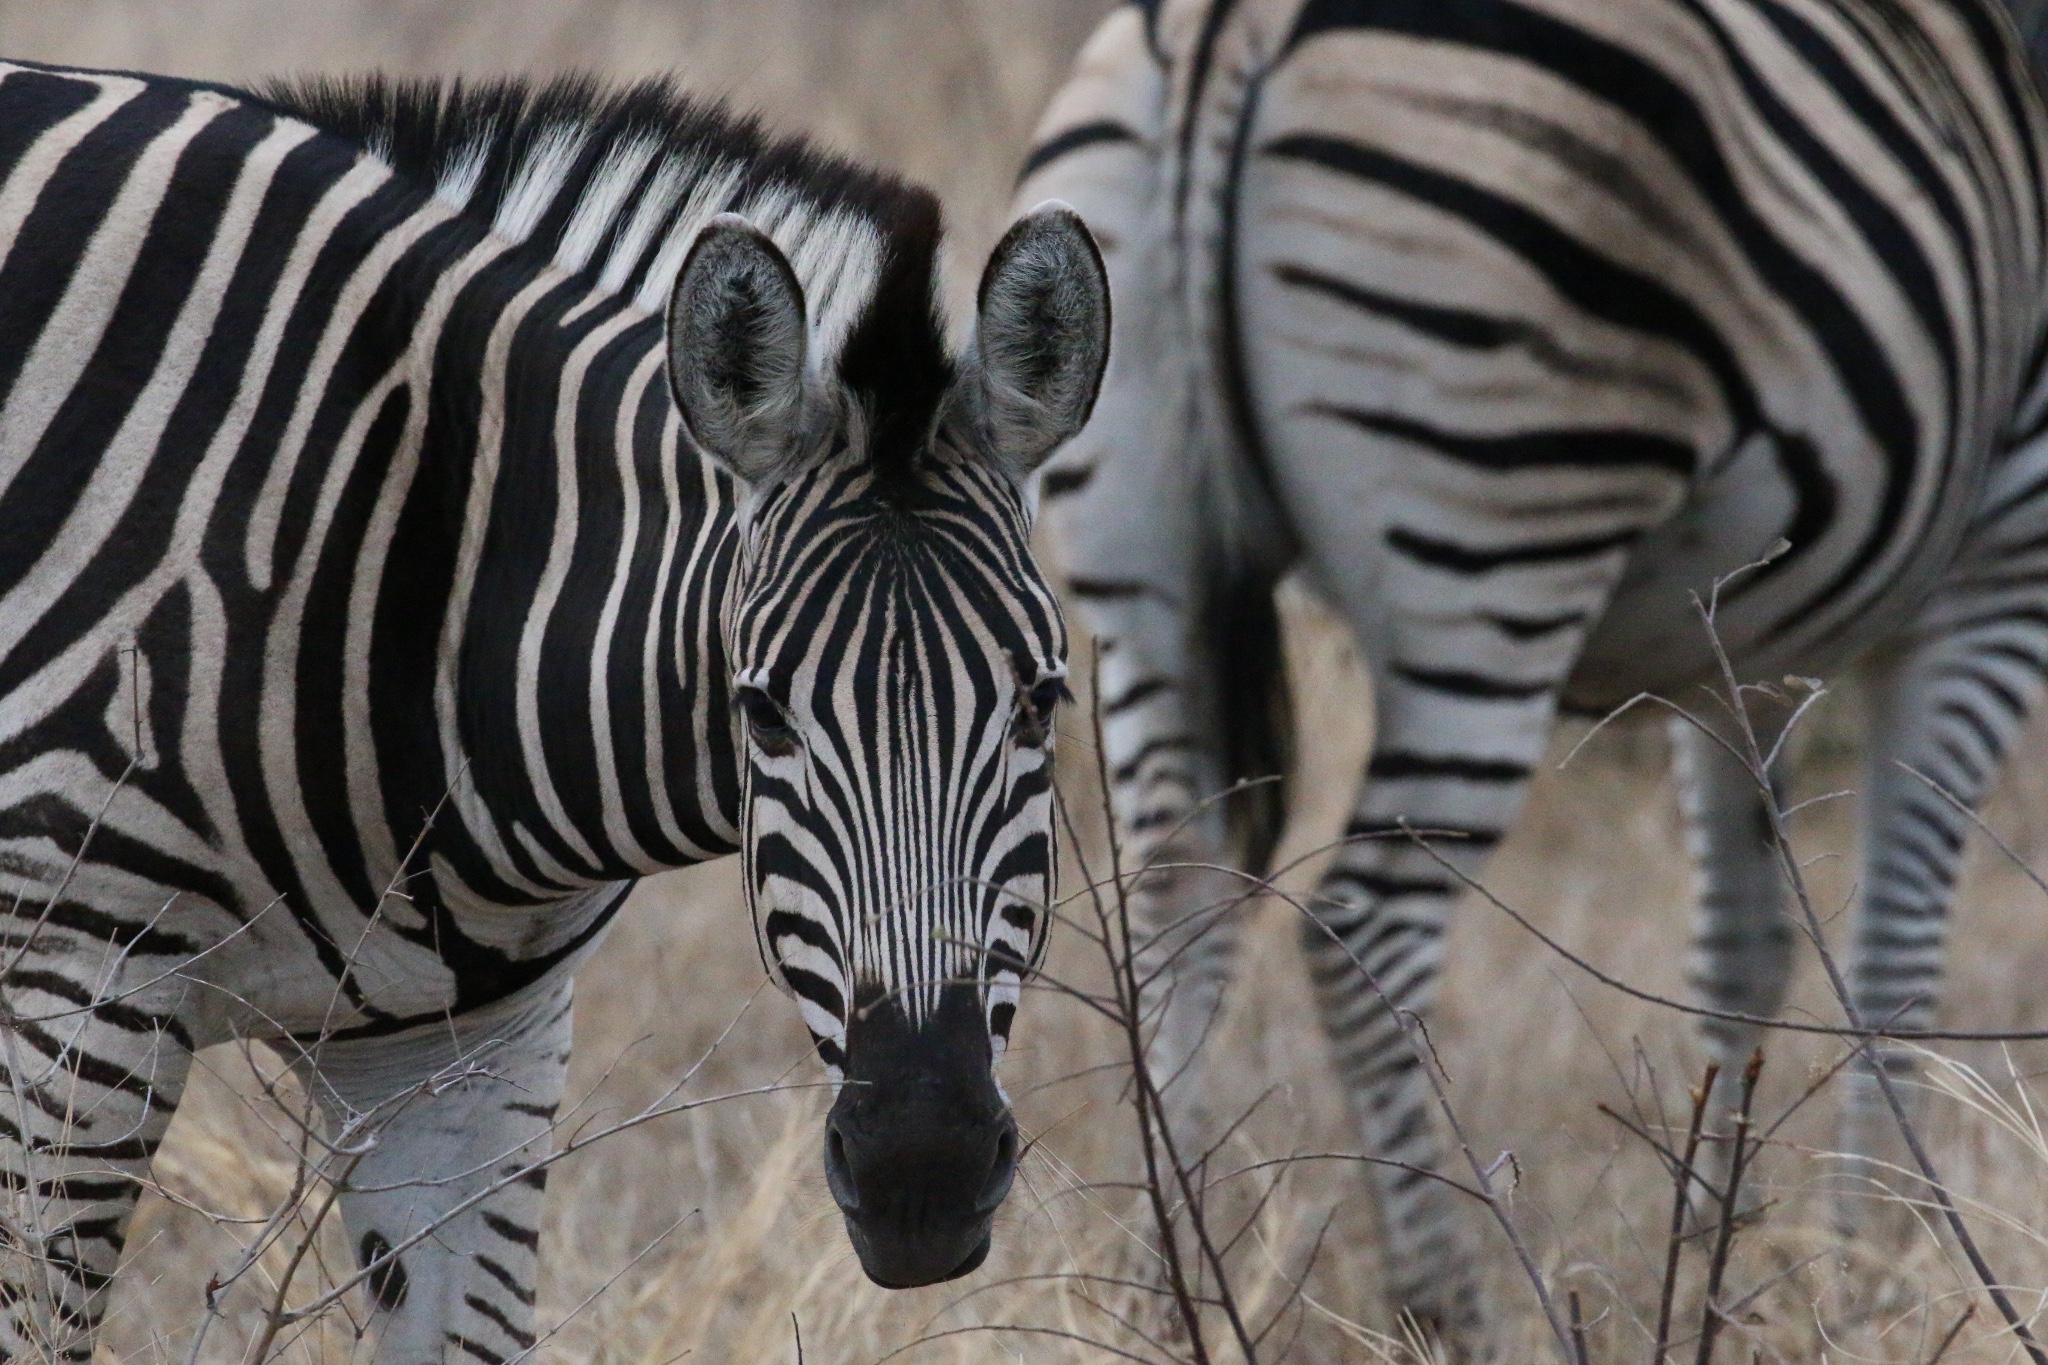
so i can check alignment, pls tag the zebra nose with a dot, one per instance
(919, 1199)
(886, 1166)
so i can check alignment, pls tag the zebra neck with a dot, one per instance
(581, 655)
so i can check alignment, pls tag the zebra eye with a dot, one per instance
(767, 724)
(1034, 718)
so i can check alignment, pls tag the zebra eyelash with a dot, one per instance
(1054, 691)
(766, 721)
(1036, 708)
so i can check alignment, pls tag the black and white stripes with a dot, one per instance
(371, 611)
(1513, 323)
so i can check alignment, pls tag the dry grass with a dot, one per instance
(745, 1244)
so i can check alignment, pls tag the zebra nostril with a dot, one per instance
(1002, 1171)
(839, 1171)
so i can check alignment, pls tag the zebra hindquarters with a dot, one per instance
(95, 1059)
(437, 1138)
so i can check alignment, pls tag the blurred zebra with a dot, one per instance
(1510, 324)
(429, 509)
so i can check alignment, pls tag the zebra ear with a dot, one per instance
(1041, 335)
(736, 349)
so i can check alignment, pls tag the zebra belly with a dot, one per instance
(280, 977)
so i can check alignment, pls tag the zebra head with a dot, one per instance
(896, 659)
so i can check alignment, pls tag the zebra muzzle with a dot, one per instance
(920, 1148)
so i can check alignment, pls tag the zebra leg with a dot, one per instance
(1454, 769)
(1947, 709)
(1743, 939)
(91, 1079)
(1191, 923)
(437, 1131)
(1184, 906)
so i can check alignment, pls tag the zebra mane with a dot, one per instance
(616, 183)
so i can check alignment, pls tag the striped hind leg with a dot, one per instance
(1452, 756)
(1159, 738)
(1743, 937)
(1948, 703)
(89, 1079)
(1946, 711)
(439, 1131)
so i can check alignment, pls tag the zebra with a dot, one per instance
(430, 508)
(1509, 325)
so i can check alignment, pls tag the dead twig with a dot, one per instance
(1681, 1191)
(1711, 1315)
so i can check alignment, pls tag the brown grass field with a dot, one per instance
(709, 1236)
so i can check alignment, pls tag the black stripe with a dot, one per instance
(1110, 589)
(1157, 744)
(1405, 763)
(1139, 693)
(808, 985)
(484, 1308)
(511, 1231)
(483, 1353)
(1386, 886)
(1582, 449)
(122, 1016)
(1077, 138)
(1065, 481)
(1468, 559)
(1532, 627)
(504, 1277)
(1452, 326)
(138, 938)
(1473, 686)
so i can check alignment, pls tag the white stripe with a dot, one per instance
(655, 202)
(601, 199)
(456, 185)
(121, 468)
(260, 545)
(611, 798)
(548, 161)
(24, 187)
(80, 320)
(539, 614)
(838, 257)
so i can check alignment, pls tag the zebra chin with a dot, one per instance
(920, 1147)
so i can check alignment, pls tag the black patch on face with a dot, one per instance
(920, 1149)
(895, 363)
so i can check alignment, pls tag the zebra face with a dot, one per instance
(896, 660)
